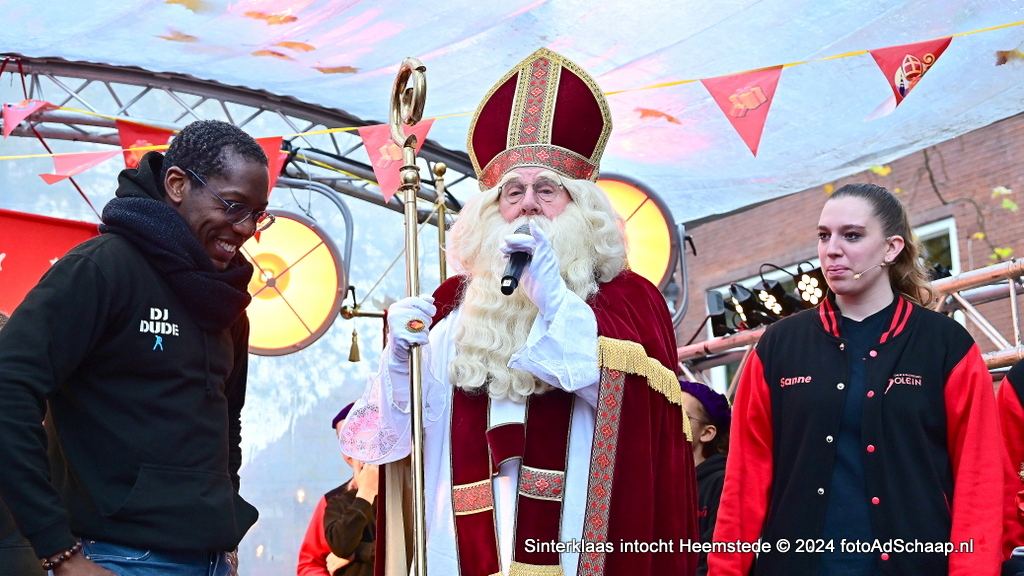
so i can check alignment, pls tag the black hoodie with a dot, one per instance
(144, 404)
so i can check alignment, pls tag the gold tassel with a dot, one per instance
(353, 354)
(631, 358)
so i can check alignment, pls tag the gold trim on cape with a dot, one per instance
(631, 358)
(522, 569)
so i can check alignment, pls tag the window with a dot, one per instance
(939, 247)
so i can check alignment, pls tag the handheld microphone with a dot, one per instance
(517, 262)
(857, 275)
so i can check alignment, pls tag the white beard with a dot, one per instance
(492, 326)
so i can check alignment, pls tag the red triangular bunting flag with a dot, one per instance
(904, 66)
(745, 99)
(275, 158)
(15, 113)
(386, 156)
(68, 165)
(138, 136)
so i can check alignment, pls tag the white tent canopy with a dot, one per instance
(343, 55)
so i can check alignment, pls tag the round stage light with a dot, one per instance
(650, 230)
(297, 288)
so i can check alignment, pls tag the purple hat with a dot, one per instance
(714, 404)
(342, 415)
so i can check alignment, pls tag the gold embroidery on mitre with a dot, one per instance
(550, 99)
(515, 125)
(542, 128)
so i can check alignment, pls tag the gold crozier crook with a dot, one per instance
(406, 110)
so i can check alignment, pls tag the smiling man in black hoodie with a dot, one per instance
(137, 341)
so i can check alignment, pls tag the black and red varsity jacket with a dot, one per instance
(930, 436)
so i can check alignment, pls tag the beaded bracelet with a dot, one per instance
(50, 564)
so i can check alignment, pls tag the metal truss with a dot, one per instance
(963, 292)
(991, 283)
(94, 96)
(103, 92)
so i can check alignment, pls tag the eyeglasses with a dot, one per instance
(696, 419)
(238, 212)
(546, 190)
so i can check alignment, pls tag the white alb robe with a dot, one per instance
(561, 351)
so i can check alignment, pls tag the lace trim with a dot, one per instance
(366, 435)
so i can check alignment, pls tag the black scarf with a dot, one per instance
(215, 299)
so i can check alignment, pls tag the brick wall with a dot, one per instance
(783, 231)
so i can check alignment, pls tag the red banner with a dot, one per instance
(745, 99)
(386, 156)
(904, 66)
(68, 165)
(137, 136)
(14, 113)
(275, 158)
(29, 245)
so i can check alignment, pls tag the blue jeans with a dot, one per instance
(129, 561)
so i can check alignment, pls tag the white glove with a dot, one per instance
(403, 317)
(543, 278)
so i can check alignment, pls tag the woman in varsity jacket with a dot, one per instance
(865, 438)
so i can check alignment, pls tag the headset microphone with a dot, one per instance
(857, 275)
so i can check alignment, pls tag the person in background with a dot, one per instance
(869, 417)
(137, 341)
(340, 538)
(710, 417)
(350, 517)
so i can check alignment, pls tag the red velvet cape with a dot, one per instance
(653, 484)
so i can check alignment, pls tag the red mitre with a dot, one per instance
(544, 112)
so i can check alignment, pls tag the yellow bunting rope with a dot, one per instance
(656, 86)
(96, 114)
(802, 62)
(326, 166)
(164, 146)
(56, 154)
